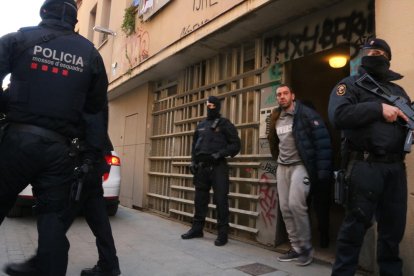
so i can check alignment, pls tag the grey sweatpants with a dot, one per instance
(293, 188)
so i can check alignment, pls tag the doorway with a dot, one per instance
(312, 80)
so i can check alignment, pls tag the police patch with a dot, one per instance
(340, 91)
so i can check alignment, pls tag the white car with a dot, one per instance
(111, 184)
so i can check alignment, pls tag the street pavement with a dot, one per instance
(150, 245)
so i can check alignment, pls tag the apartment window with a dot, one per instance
(92, 22)
(105, 19)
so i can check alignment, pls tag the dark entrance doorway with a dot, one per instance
(312, 80)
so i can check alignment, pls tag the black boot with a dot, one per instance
(192, 233)
(27, 268)
(222, 236)
(221, 239)
(98, 271)
(196, 230)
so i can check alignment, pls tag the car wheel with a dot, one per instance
(112, 209)
(15, 212)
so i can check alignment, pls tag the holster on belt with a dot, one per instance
(341, 187)
(205, 160)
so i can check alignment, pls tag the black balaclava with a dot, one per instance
(379, 66)
(213, 113)
(63, 10)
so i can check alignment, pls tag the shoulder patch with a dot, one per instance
(341, 89)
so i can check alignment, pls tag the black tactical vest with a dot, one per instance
(51, 78)
(211, 139)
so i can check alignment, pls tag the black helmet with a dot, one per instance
(65, 10)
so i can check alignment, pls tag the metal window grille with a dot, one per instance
(235, 76)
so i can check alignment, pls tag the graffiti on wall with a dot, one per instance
(198, 5)
(268, 97)
(330, 32)
(269, 168)
(203, 12)
(203, 4)
(268, 193)
(192, 27)
(264, 144)
(136, 48)
(275, 73)
(268, 94)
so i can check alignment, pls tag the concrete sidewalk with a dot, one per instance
(149, 245)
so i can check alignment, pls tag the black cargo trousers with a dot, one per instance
(212, 175)
(378, 190)
(46, 164)
(93, 206)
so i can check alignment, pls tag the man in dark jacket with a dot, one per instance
(214, 139)
(374, 135)
(300, 142)
(56, 76)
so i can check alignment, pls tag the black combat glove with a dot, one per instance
(193, 167)
(87, 166)
(216, 156)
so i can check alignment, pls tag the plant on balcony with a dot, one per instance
(128, 25)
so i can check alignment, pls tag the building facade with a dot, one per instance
(164, 58)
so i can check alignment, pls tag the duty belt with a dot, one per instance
(206, 164)
(371, 157)
(206, 160)
(40, 131)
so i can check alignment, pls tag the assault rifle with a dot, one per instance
(368, 83)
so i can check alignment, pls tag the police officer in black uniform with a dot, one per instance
(95, 145)
(374, 142)
(56, 76)
(92, 202)
(214, 139)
